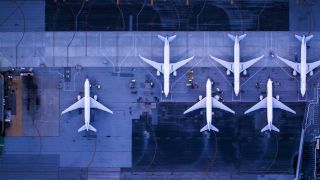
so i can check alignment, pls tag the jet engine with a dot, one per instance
(294, 73)
(95, 97)
(79, 97)
(278, 97)
(245, 72)
(174, 73)
(228, 72)
(261, 97)
(158, 73)
(311, 73)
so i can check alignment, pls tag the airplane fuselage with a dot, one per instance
(303, 66)
(269, 104)
(208, 104)
(236, 66)
(166, 68)
(87, 103)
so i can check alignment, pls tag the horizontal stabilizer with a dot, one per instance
(300, 38)
(309, 37)
(212, 127)
(242, 36)
(171, 38)
(162, 38)
(82, 128)
(233, 38)
(92, 128)
(272, 128)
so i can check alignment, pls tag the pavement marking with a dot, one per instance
(127, 55)
(74, 83)
(109, 60)
(233, 96)
(192, 67)
(265, 64)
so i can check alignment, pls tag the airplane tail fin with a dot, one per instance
(307, 38)
(84, 128)
(212, 127)
(233, 38)
(272, 128)
(171, 38)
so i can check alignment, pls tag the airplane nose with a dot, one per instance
(236, 91)
(208, 82)
(303, 91)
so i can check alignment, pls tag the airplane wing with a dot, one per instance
(295, 66)
(223, 63)
(259, 105)
(278, 104)
(246, 65)
(217, 104)
(97, 105)
(312, 66)
(157, 66)
(177, 65)
(198, 105)
(76, 105)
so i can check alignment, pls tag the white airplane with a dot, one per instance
(209, 102)
(236, 66)
(87, 103)
(303, 67)
(269, 102)
(166, 68)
